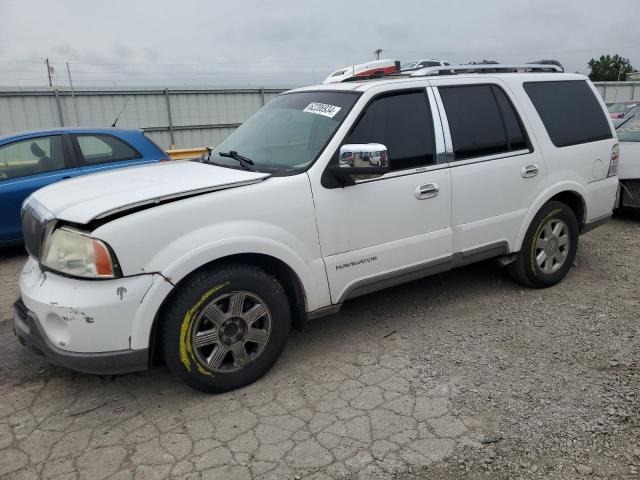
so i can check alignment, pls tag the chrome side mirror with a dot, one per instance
(361, 162)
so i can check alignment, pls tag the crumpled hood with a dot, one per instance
(99, 195)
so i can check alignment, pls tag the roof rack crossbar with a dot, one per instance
(487, 68)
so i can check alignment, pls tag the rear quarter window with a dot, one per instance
(97, 149)
(569, 111)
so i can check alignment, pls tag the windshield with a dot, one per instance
(621, 107)
(408, 65)
(629, 131)
(286, 135)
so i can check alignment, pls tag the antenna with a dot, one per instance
(118, 117)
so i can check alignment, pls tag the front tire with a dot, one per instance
(549, 247)
(225, 327)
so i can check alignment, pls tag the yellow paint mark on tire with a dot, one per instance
(534, 240)
(187, 356)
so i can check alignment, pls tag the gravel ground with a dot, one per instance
(461, 375)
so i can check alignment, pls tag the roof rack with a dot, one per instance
(488, 68)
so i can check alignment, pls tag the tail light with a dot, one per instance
(613, 162)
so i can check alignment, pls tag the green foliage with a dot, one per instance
(609, 68)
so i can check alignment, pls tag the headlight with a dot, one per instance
(74, 253)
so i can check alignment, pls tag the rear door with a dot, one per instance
(99, 151)
(26, 165)
(496, 172)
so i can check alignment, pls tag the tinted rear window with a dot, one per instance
(570, 111)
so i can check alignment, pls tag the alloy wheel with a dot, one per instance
(552, 246)
(231, 331)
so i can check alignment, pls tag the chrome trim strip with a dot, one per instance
(445, 126)
(488, 158)
(441, 153)
(404, 173)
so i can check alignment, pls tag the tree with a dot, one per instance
(609, 68)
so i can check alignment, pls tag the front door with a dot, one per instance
(395, 227)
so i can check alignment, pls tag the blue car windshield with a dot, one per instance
(286, 136)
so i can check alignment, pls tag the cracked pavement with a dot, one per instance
(461, 374)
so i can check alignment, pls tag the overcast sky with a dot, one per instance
(294, 42)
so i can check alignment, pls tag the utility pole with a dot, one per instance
(615, 95)
(48, 71)
(73, 95)
(377, 53)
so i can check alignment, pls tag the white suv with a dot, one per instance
(327, 193)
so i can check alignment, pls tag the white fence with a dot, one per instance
(613, 92)
(185, 117)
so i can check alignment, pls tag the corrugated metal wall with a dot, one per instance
(185, 117)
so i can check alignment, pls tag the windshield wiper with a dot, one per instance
(244, 161)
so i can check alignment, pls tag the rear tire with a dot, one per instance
(549, 247)
(225, 327)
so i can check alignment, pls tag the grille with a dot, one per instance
(631, 193)
(21, 309)
(37, 221)
(32, 231)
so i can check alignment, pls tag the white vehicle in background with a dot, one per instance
(375, 67)
(327, 193)
(629, 169)
(418, 64)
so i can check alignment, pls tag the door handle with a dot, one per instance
(428, 190)
(529, 171)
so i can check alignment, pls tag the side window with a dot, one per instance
(514, 129)
(402, 122)
(569, 111)
(32, 156)
(105, 148)
(482, 121)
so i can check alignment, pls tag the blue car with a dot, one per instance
(32, 160)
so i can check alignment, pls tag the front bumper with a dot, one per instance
(29, 332)
(82, 324)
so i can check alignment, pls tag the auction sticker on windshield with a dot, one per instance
(322, 109)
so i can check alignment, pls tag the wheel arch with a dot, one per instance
(570, 193)
(575, 202)
(272, 265)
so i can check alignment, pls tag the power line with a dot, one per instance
(301, 60)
